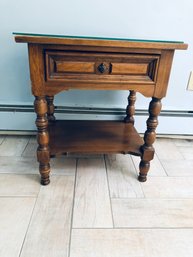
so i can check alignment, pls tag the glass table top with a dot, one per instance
(97, 38)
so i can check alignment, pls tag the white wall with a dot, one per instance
(165, 20)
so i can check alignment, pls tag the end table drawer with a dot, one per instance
(100, 67)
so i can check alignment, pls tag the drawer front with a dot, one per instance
(101, 67)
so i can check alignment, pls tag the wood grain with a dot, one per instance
(129, 68)
(94, 137)
(97, 42)
(92, 204)
(36, 64)
(147, 148)
(81, 67)
(84, 67)
(163, 75)
(43, 150)
(146, 89)
(63, 63)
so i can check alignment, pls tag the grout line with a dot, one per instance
(72, 210)
(3, 140)
(18, 173)
(137, 173)
(107, 177)
(25, 147)
(154, 228)
(136, 170)
(136, 228)
(187, 142)
(156, 199)
(29, 223)
(24, 174)
(167, 175)
(18, 196)
(172, 176)
(190, 147)
(112, 198)
(176, 148)
(57, 174)
(68, 175)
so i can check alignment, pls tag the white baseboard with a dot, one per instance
(22, 118)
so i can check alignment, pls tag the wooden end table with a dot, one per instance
(60, 63)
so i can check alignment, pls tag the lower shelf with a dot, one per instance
(69, 136)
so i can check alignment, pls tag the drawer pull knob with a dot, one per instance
(102, 68)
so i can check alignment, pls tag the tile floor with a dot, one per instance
(94, 206)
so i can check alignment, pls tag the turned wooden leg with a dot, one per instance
(50, 111)
(130, 111)
(43, 154)
(147, 148)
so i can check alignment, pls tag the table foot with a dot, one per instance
(142, 178)
(45, 172)
(45, 182)
(144, 168)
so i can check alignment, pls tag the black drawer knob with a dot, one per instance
(102, 68)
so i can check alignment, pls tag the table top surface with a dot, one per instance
(65, 39)
(97, 38)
